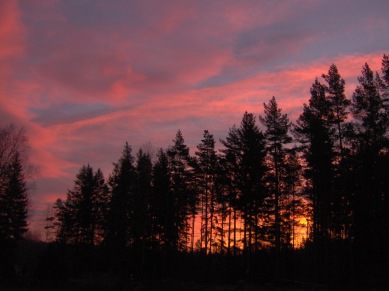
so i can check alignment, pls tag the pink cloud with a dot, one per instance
(290, 86)
(12, 45)
(11, 30)
(48, 162)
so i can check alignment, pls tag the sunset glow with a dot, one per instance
(83, 77)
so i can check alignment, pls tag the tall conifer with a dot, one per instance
(179, 160)
(13, 201)
(207, 160)
(277, 136)
(122, 184)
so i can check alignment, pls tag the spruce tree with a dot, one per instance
(161, 203)
(63, 221)
(101, 205)
(81, 217)
(122, 185)
(14, 171)
(141, 218)
(13, 201)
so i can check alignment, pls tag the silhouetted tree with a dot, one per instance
(63, 221)
(277, 136)
(246, 148)
(207, 161)
(228, 167)
(141, 219)
(122, 184)
(294, 203)
(383, 81)
(13, 188)
(102, 198)
(314, 131)
(384, 165)
(224, 206)
(194, 201)
(369, 163)
(14, 171)
(13, 201)
(161, 201)
(179, 159)
(339, 103)
(369, 110)
(80, 217)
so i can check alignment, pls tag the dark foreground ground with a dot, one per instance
(39, 266)
(115, 284)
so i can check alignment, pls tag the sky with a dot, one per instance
(85, 76)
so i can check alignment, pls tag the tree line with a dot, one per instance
(330, 167)
(246, 199)
(245, 188)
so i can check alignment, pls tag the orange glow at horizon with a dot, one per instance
(300, 232)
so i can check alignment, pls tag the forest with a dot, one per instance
(302, 205)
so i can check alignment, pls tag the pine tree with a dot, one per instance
(14, 171)
(207, 161)
(369, 109)
(13, 201)
(384, 164)
(81, 219)
(101, 207)
(179, 160)
(315, 133)
(245, 148)
(194, 198)
(295, 206)
(81, 202)
(63, 221)
(141, 218)
(230, 167)
(369, 164)
(338, 103)
(161, 202)
(224, 205)
(277, 136)
(384, 80)
(122, 184)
